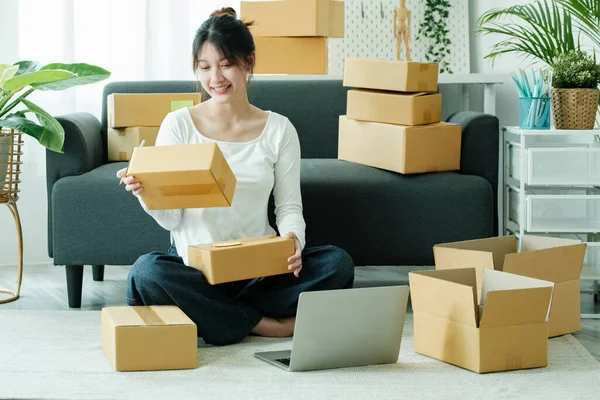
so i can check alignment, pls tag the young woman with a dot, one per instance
(263, 150)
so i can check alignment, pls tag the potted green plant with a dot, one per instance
(574, 97)
(18, 81)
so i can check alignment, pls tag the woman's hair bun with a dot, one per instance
(224, 11)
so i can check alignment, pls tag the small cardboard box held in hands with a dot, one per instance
(149, 338)
(551, 259)
(183, 176)
(506, 330)
(236, 260)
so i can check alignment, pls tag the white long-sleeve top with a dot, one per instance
(271, 162)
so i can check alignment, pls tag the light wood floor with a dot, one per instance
(44, 288)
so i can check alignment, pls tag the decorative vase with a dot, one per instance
(574, 108)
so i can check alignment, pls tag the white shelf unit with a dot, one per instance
(551, 187)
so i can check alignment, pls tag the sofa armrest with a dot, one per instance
(83, 151)
(480, 149)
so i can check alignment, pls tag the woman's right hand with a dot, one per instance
(130, 184)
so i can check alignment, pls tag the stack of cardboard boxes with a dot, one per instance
(291, 35)
(392, 120)
(133, 117)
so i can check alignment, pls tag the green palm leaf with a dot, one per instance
(540, 30)
(84, 74)
(587, 16)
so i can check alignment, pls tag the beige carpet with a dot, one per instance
(57, 355)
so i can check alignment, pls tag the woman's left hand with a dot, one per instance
(296, 259)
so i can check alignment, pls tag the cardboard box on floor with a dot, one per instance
(400, 76)
(235, 260)
(418, 108)
(294, 18)
(145, 109)
(149, 338)
(506, 330)
(122, 141)
(183, 176)
(551, 259)
(399, 148)
(290, 55)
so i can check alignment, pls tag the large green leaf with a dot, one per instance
(19, 122)
(27, 66)
(53, 136)
(84, 74)
(18, 82)
(7, 72)
(540, 30)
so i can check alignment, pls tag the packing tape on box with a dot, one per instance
(148, 315)
(422, 85)
(189, 190)
(427, 115)
(123, 156)
(424, 67)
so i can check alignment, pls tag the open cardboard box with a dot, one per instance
(149, 338)
(400, 76)
(248, 258)
(183, 176)
(418, 108)
(505, 330)
(551, 259)
(400, 148)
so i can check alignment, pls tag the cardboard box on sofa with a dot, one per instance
(149, 338)
(240, 259)
(506, 330)
(183, 176)
(399, 148)
(401, 76)
(145, 109)
(290, 55)
(300, 18)
(394, 108)
(121, 141)
(551, 259)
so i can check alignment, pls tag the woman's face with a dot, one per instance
(220, 77)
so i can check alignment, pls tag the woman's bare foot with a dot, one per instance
(275, 327)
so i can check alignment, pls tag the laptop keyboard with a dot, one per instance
(284, 361)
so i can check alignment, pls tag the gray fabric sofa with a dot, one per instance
(379, 217)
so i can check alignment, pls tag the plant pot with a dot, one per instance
(574, 108)
(10, 164)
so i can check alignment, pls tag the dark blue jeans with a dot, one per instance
(226, 313)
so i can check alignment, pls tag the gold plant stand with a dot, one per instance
(10, 169)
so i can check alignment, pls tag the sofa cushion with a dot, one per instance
(385, 218)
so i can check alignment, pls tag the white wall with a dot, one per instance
(32, 203)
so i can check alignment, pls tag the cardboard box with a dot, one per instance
(145, 109)
(394, 108)
(121, 141)
(149, 338)
(283, 55)
(506, 330)
(401, 76)
(235, 260)
(551, 259)
(183, 176)
(399, 148)
(299, 18)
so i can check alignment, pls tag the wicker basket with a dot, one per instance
(11, 144)
(574, 108)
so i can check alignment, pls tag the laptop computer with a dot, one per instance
(344, 328)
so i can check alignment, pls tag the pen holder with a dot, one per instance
(534, 112)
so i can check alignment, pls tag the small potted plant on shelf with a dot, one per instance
(575, 79)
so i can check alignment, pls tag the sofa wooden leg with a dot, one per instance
(74, 284)
(98, 272)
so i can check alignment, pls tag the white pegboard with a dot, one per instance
(368, 33)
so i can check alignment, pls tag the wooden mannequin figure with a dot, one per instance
(402, 29)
